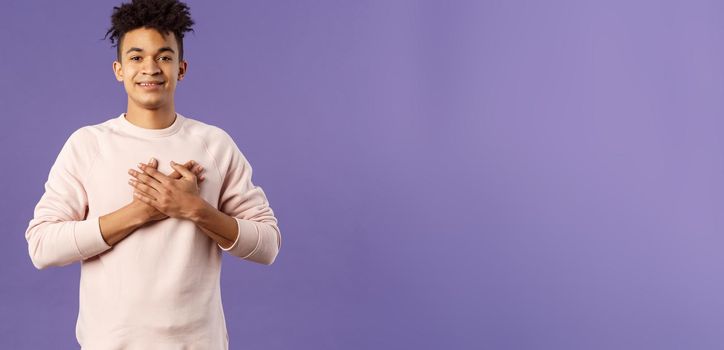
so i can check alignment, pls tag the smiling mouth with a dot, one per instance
(150, 84)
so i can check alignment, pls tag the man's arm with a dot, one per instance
(251, 240)
(60, 232)
(211, 221)
(119, 224)
(256, 235)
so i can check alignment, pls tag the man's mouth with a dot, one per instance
(150, 83)
(151, 86)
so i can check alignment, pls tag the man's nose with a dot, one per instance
(151, 67)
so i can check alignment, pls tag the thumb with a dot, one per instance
(185, 173)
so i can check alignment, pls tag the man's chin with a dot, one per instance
(150, 105)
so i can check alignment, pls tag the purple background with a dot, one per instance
(446, 174)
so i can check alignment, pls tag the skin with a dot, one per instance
(153, 213)
(151, 109)
(158, 196)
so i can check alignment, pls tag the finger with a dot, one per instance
(145, 198)
(200, 177)
(148, 190)
(184, 172)
(160, 177)
(197, 171)
(146, 179)
(176, 175)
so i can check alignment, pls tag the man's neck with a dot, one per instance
(151, 118)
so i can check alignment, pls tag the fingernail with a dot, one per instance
(172, 162)
(150, 161)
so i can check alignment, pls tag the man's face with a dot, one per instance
(147, 56)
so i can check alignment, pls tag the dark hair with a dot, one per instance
(163, 15)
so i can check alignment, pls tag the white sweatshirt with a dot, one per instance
(159, 287)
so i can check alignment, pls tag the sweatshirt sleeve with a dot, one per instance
(259, 238)
(60, 233)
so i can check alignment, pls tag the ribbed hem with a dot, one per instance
(88, 238)
(248, 236)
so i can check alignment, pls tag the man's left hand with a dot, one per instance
(177, 198)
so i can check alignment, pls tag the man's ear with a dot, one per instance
(118, 70)
(182, 68)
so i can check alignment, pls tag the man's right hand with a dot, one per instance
(153, 213)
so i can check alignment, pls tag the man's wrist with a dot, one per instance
(142, 213)
(198, 210)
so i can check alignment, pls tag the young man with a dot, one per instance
(150, 244)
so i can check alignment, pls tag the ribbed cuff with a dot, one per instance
(248, 236)
(88, 238)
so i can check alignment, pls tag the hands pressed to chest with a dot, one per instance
(175, 195)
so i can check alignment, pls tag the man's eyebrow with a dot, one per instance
(163, 49)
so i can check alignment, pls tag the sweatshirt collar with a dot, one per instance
(134, 129)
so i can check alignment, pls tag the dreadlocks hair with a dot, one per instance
(163, 15)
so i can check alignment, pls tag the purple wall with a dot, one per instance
(446, 174)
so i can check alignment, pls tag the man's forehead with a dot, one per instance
(148, 40)
(160, 50)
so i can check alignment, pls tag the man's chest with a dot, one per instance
(107, 185)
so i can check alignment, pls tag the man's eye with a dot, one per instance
(134, 58)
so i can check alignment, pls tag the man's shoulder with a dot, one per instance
(83, 135)
(90, 132)
(207, 131)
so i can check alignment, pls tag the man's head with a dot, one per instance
(149, 36)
